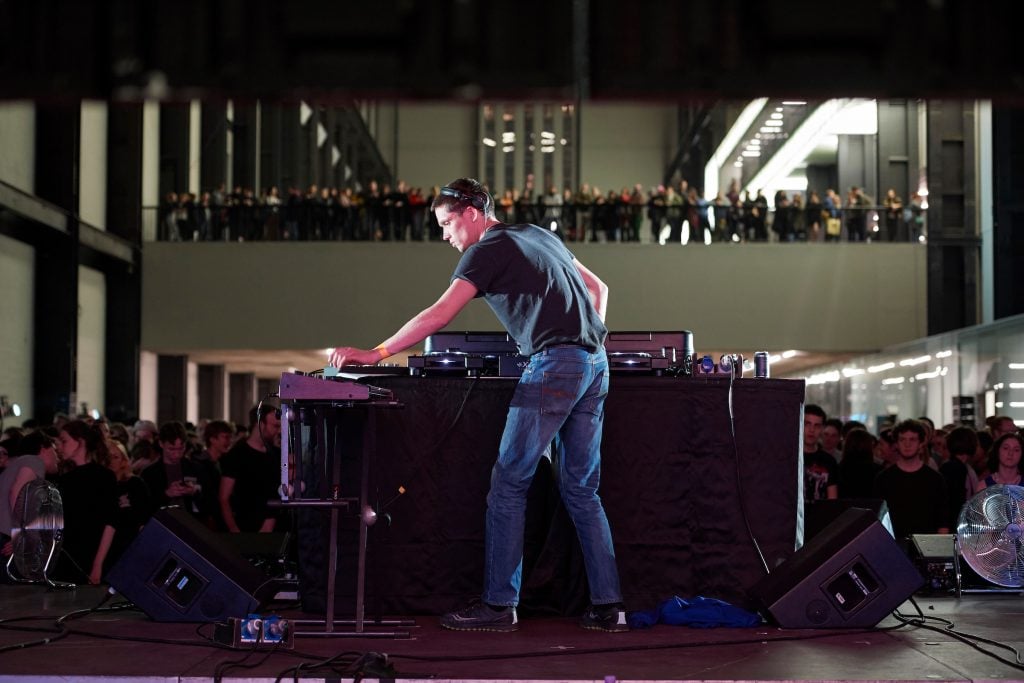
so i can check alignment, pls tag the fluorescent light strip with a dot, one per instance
(798, 146)
(729, 142)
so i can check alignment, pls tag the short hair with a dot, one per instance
(262, 412)
(215, 428)
(34, 442)
(910, 426)
(462, 193)
(850, 425)
(835, 422)
(962, 441)
(815, 409)
(172, 431)
(993, 452)
(996, 420)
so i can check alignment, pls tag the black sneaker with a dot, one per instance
(480, 617)
(611, 618)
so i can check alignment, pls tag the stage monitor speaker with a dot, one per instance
(819, 514)
(850, 575)
(178, 570)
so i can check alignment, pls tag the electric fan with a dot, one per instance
(989, 535)
(37, 530)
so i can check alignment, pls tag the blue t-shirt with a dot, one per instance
(528, 278)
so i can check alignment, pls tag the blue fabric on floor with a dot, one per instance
(699, 612)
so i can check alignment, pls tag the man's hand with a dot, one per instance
(346, 355)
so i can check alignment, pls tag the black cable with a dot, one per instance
(63, 631)
(949, 629)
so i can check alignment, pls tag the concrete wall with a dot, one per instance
(627, 144)
(436, 144)
(92, 173)
(92, 337)
(816, 297)
(17, 266)
(18, 136)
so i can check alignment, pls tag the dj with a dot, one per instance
(554, 308)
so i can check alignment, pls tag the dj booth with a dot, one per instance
(682, 494)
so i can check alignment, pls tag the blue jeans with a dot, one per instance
(560, 398)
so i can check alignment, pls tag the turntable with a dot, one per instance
(636, 362)
(447, 363)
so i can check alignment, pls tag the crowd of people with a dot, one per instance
(112, 478)
(666, 214)
(924, 473)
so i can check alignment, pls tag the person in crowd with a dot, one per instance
(798, 218)
(1001, 424)
(961, 480)
(858, 469)
(814, 217)
(915, 493)
(563, 333)
(893, 205)
(218, 438)
(821, 472)
(36, 458)
(781, 224)
(656, 212)
(133, 502)
(88, 490)
(175, 479)
(674, 214)
(980, 460)
(1004, 462)
(885, 448)
(250, 475)
(832, 213)
(832, 438)
(143, 451)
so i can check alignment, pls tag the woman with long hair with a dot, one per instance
(1004, 462)
(89, 493)
(858, 469)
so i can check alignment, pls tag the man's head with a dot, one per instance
(173, 441)
(962, 443)
(910, 436)
(266, 424)
(217, 436)
(144, 430)
(814, 420)
(1002, 424)
(464, 209)
(832, 434)
(42, 445)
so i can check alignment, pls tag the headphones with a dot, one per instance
(476, 201)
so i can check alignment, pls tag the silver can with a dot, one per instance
(761, 370)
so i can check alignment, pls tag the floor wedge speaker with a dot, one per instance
(178, 570)
(850, 575)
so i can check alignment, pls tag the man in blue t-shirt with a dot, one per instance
(554, 307)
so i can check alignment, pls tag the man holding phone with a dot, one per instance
(174, 479)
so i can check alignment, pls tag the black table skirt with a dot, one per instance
(682, 496)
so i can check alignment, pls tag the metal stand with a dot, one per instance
(359, 626)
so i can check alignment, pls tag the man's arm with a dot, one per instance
(25, 475)
(597, 288)
(425, 323)
(227, 486)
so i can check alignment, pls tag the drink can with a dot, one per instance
(761, 365)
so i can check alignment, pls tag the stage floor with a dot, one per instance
(129, 646)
